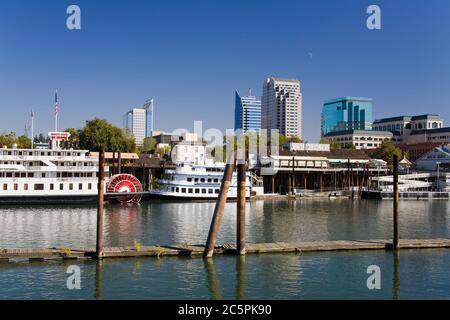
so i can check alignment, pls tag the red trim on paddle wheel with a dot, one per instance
(124, 183)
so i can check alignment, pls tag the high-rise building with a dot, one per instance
(346, 113)
(281, 106)
(140, 121)
(247, 113)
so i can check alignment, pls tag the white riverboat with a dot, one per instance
(198, 182)
(32, 176)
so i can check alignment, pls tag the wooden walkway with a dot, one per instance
(43, 254)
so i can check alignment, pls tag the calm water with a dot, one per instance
(419, 274)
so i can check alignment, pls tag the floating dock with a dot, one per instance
(44, 254)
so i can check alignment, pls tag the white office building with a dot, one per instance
(140, 122)
(281, 106)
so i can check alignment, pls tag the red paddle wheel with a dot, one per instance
(125, 183)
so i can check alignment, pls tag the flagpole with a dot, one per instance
(56, 110)
(32, 129)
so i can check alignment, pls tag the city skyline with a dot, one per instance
(158, 58)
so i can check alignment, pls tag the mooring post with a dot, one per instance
(293, 176)
(219, 208)
(241, 190)
(101, 196)
(395, 172)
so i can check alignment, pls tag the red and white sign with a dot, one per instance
(59, 136)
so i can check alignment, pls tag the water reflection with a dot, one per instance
(395, 280)
(213, 280)
(271, 220)
(240, 277)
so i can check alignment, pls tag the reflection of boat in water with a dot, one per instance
(197, 182)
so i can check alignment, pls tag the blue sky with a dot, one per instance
(191, 56)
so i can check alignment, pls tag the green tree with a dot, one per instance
(98, 132)
(41, 138)
(74, 139)
(333, 143)
(23, 142)
(8, 139)
(149, 145)
(386, 151)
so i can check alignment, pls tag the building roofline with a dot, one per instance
(348, 98)
(353, 131)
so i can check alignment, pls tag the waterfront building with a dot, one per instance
(361, 139)
(281, 106)
(247, 113)
(140, 122)
(436, 159)
(327, 171)
(346, 113)
(415, 135)
(403, 127)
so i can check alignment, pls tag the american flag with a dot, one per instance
(32, 114)
(56, 104)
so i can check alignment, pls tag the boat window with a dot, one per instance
(197, 190)
(39, 186)
(70, 186)
(196, 180)
(16, 174)
(210, 190)
(5, 187)
(178, 189)
(90, 186)
(61, 186)
(80, 186)
(25, 187)
(189, 179)
(43, 175)
(209, 180)
(23, 174)
(9, 174)
(16, 187)
(203, 190)
(183, 190)
(202, 180)
(190, 190)
(52, 187)
(173, 189)
(30, 175)
(216, 190)
(216, 180)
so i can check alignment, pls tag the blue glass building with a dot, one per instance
(247, 113)
(346, 113)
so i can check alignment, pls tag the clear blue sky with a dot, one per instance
(191, 56)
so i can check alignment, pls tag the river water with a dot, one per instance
(410, 274)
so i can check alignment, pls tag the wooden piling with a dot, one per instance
(119, 162)
(241, 188)
(101, 195)
(219, 208)
(396, 196)
(293, 176)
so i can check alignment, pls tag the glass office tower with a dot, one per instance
(247, 113)
(346, 113)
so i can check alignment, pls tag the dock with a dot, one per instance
(48, 254)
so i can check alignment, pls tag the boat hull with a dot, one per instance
(49, 199)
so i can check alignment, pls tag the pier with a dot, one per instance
(49, 254)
